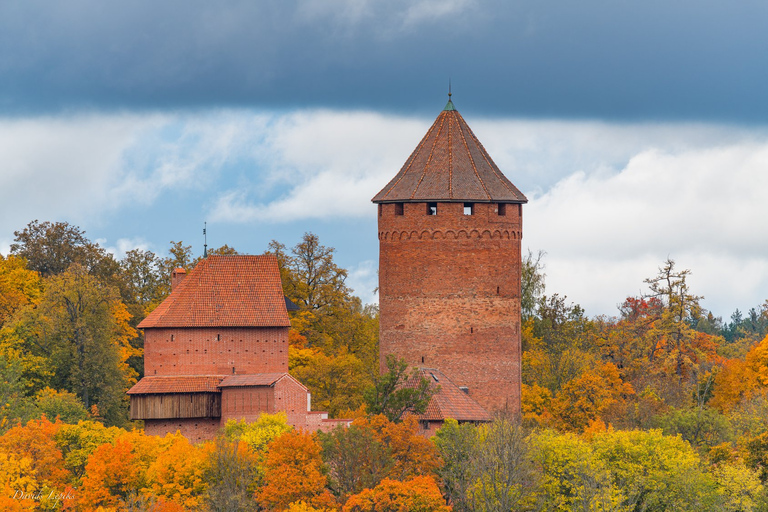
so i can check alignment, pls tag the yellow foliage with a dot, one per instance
(177, 474)
(534, 404)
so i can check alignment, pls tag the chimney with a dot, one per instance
(177, 276)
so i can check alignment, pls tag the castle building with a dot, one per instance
(217, 349)
(450, 225)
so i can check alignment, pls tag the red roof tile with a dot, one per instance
(450, 165)
(177, 384)
(449, 401)
(257, 379)
(225, 291)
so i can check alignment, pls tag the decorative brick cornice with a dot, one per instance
(449, 234)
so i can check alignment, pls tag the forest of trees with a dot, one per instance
(660, 407)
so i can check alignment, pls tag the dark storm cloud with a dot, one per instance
(611, 59)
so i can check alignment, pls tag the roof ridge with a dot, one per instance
(431, 151)
(412, 158)
(471, 158)
(490, 161)
(450, 158)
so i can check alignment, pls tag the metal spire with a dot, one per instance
(205, 237)
(449, 105)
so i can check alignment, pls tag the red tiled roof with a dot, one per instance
(225, 291)
(450, 165)
(177, 384)
(257, 379)
(449, 401)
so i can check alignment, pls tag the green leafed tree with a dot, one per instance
(398, 391)
(51, 247)
(81, 327)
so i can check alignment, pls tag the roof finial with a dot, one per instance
(449, 105)
(205, 237)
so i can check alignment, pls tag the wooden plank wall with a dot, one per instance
(175, 405)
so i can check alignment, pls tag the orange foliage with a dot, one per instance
(534, 404)
(584, 398)
(741, 379)
(115, 470)
(293, 471)
(413, 454)
(419, 494)
(35, 444)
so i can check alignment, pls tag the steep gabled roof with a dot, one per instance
(450, 165)
(225, 291)
(450, 401)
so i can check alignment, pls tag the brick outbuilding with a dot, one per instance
(450, 230)
(217, 349)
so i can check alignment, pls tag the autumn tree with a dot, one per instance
(671, 336)
(655, 472)
(77, 442)
(419, 494)
(81, 327)
(337, 381)
(293, 471)
(457, 444)
(586, 397)
(19, 286)
(142, 281)
(178, 472)
(558, 344)
(52, 247)
(374, 448)
(36, 443)
(531, 284)
(115, 472)
(573, 477)
(357, 459)
(330, 317)
(233, 477)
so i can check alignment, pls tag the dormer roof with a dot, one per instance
(450, 165)
(225, 291)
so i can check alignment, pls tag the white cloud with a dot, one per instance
(364, 281)
(123, 245)
(330, 165)
(606, 232)
(61, 167)
(608, 202)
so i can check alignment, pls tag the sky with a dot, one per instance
(637, 130)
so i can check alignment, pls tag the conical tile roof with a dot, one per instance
(450, 165)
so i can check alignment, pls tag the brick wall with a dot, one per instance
(215, 351)
(449, 295)
(196, 430)
(247, 403)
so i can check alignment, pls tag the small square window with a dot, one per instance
(469, 208)
(431, 208)
(398, 208)
(501, 209)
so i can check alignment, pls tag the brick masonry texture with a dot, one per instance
(196, 430)
(449, 294)
(215, 351)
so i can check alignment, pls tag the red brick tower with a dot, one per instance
(450, 225)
